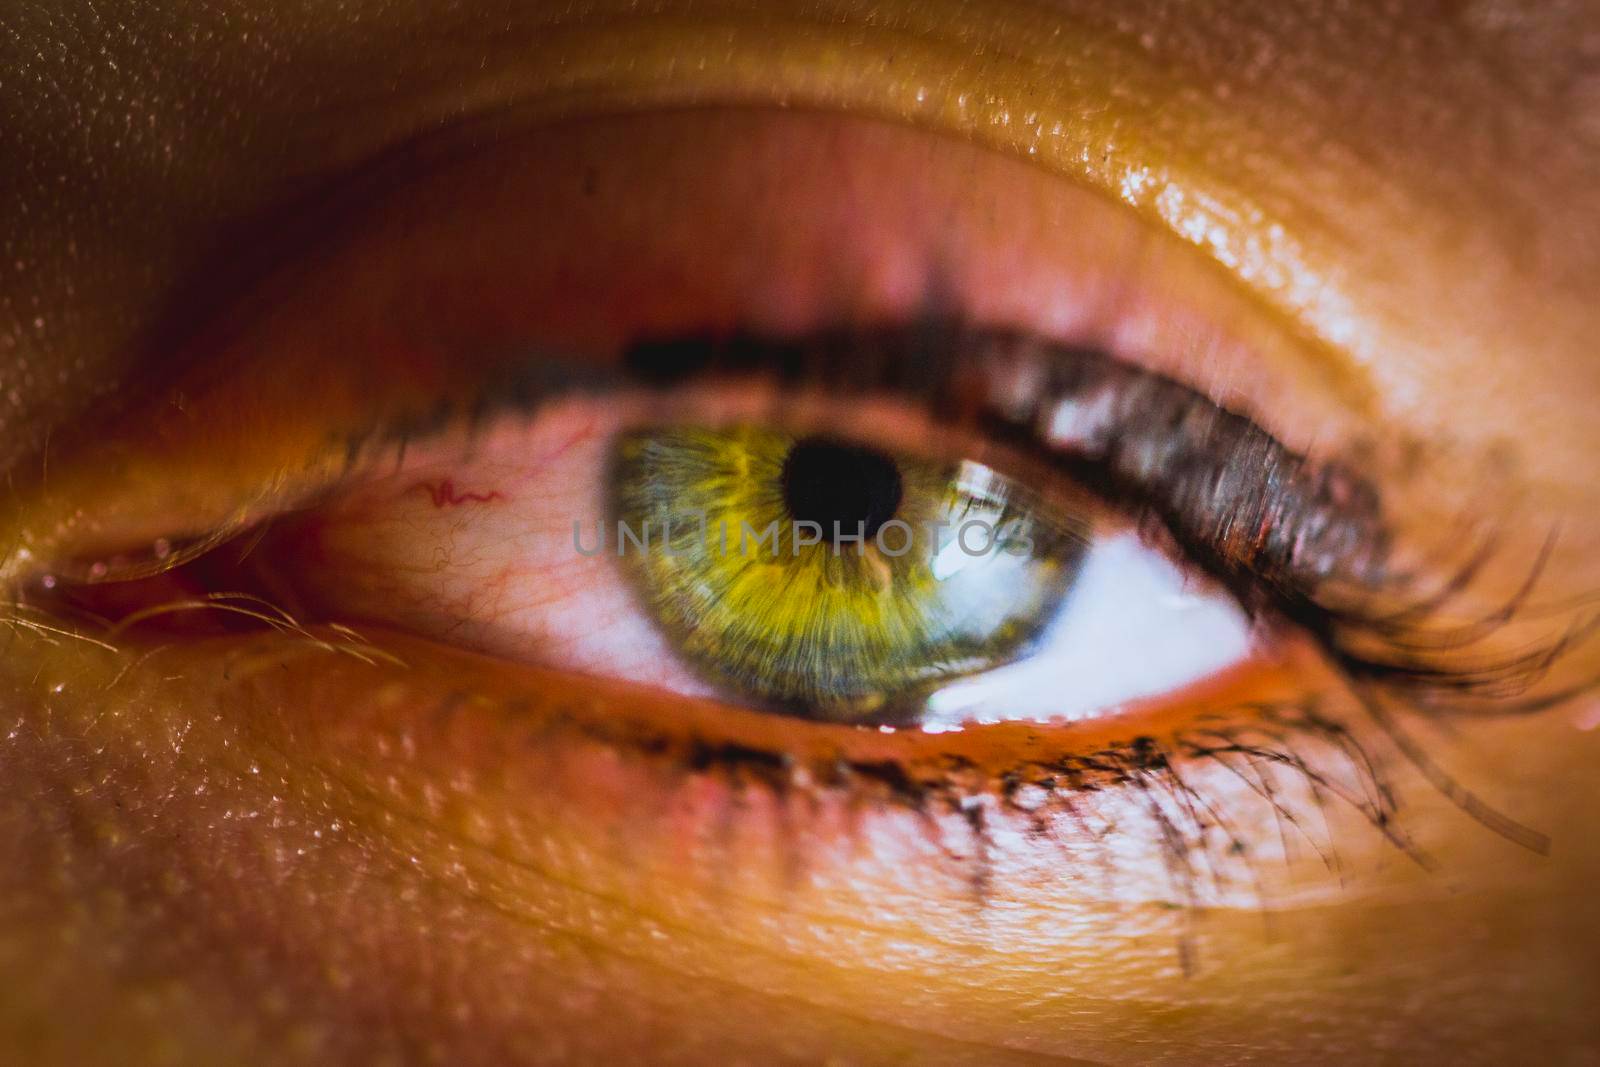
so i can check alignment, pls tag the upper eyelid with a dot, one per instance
(1195, 464)
(281, 233)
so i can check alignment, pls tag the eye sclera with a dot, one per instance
(479, 540)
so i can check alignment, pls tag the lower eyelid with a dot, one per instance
(452, 737)
(365, 816)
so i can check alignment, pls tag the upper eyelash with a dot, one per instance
(1264, 520)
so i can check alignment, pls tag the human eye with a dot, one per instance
(761, 560)
(794, 561)
(835, 539)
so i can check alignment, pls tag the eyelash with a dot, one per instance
(1213, 467)
(1186, 470)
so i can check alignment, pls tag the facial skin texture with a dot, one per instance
(197, 868)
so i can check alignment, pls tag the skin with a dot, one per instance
(199, 863)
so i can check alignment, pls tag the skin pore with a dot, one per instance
(201, 863)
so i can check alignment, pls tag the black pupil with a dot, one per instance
(828, 482)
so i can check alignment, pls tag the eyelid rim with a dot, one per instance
(690, 731)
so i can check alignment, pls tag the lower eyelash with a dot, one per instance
(1323, 760)
(1299, 758)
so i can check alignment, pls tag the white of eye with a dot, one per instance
(1132, 626)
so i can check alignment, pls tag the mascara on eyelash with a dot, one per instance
(1270, 523)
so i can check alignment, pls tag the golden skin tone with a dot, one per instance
(158, 905)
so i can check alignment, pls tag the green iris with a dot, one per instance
(831, 579)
